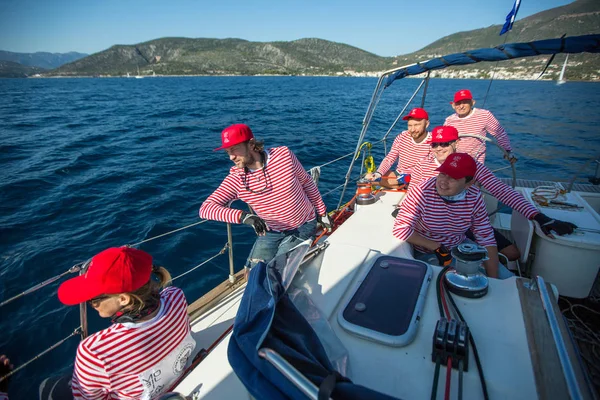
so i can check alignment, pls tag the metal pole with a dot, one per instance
(561, 348)
(83, 320)
(290, 373)
(425, 89)
(230, 248)
(83, 310)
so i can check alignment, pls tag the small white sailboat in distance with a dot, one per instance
(561, 78)
(138, 76)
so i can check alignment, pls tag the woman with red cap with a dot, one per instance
(148, 344)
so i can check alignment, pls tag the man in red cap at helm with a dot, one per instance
(436, 214)
(408, 149)
(286, 204)
(444, 142)
(476, 121)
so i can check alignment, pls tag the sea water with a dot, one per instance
(93, 163)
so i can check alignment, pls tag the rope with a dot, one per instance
(75, 268)
(493, 73)
(77, 331)
(204, 262)
(168, 233)
(369, 163)
(582, 328)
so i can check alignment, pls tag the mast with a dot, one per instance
(562, 72)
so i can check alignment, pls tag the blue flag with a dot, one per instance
(510, 18)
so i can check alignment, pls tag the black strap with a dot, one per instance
(328, 385)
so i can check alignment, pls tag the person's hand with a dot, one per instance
(510, 157)
(325, 222)
(373, 176)
(549, 225)
(5, 368)
(443, 255)
(259, 225)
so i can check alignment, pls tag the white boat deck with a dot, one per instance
(496, 322)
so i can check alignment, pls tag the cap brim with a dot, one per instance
(449, 173)
(78, 290)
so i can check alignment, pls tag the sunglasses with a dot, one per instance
(247, 186)
(95, 302)
(443, 144)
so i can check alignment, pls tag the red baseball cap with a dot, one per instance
(416, 113)
(235, 134)
(463, 95)
(112, 271)
(458, 165)
(442, 134)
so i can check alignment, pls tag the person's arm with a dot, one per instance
(484, 236)
(311, 190)
(409, 213)
(5, 368)
(495, 129)
(418, 240)
(90, 380)
(215, 207)
(491, 265)
(391, 157)
(503, 192)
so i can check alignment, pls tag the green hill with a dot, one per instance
(185, 56)
(581, 17)
(10, 69)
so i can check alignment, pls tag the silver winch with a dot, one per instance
(466, 278)
(364, 194)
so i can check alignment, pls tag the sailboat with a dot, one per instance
(561, 78)
(138, 76)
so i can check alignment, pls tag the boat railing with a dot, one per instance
(292, 374)
(82, 329)
(81, 267)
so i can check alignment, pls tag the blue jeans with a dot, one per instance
(430, 258)
(275, 243)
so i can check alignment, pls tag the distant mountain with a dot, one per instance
(9, 69)
(581, 17)
(183, 56)
(41, 59)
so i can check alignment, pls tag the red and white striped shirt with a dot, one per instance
(486, 179)
(285, 196)
(479, 122)
(425, 212)
(136, 360)
(407, 152)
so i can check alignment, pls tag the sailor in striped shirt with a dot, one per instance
(149, 344)
(408, 149)
(286, 204)
(444, 141)
(436, 214)
(476, 121)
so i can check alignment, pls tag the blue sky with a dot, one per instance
(385, 28)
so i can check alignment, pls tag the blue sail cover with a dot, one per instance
(574, 44)
(268, 318)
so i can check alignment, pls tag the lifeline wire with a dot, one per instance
(77, 331)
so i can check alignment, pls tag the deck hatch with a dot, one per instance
(387, 302)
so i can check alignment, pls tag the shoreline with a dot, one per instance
(286, 76)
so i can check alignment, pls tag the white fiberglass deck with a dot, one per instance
(495, 320)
